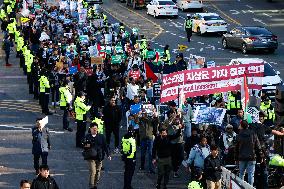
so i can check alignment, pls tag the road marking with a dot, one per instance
(211, 47)
(189, 49)
(227, 16)
(249, 6)
(201, 49)
(200, 43)
(258, 20)
(181, 37)
(182, 17)
(173, 34)
(234, 12)
(265, 14)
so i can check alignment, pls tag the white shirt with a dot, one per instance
(132, 90)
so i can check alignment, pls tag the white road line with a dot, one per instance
(258, 20)
(171, 25)
(181, 37)
(200, 43)
(265, 14)
(246, 55)
(182, 17)
(167, 31)
(249, 6)
(189, 49)
(173, 34)
(201, 49)
(180, 23)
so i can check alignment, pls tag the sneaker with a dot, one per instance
(8, 65)
(57, 103)
(116, 150)
(176, 175)
(52, 103)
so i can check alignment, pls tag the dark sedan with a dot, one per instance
(250, 38)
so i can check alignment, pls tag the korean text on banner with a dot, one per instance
(206, 81)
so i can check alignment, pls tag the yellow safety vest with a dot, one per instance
(266, 108)
(127, 145)
(232, 102)
(194, 185)
(80, 108)
(43, 84)
(65, 96)
(100, 124)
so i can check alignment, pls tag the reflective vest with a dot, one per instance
(43, 84)
(270, 112)
(277, 160)
(80, 108)
(105, 17)
(6, 1)
(167, 57)
(232, 104)
(100, 124)
(2, 14)
(129, 145)
(9, 9)
(29, 61)
(194, 185)
(65, 96)
(188, 24)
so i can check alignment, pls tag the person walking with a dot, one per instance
(161, 154)
(212, 169)
(44, 180)
(7, 44)
(97, 144)
(112, 117)
(81, 110)
(25, 184)
(65, 102)
(188, 27)
(128, 151)
(41, 143)
(247, 149)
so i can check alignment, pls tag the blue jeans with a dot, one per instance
(249, 167)
(146, 147)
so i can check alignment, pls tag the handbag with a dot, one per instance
(89, 153)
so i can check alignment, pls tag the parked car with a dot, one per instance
(92, 2)
(248, 38)
(189, 4)
(162, 8)
(208, 23)
(270, 79)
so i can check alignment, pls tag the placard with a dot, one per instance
(157, 89)
(209, 115)
(97, 60)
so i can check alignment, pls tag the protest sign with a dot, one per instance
(209, 115)
(135, 109)
(211, 64)
(93, 51)
(37, 6)
(83, 15)
(63, 5)
(89, 71)
(150, 54)
(157, 89)
(73, 70)
(195, 62)
(206, 81)
(116, 59)
(84, 38)
(254, 113)
(69, 35)
(51, 3)
(43, 121)
(148, 108)
(118, 49)
(97, 22)
(195, 105)
(96, 60)
(67, 21)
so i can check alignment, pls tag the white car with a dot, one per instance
(208, 23)
(271, 77)
(189, 4)
(162, 8)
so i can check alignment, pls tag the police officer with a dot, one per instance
(234, 102)
(128, 156)
(188, 27)
(263, 133)
(167, 55)
(268, 109)
(44, 89)
(80, 109)
(65, 102)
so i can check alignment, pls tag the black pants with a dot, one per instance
(115, 131)
(30, 82)
(43, 156)
(188, 34)
(44, 101)
(36, 92)
(128, 172)
(7, 55)
(177, 156)
(164, 170)
(55, 94)
(80, 134)
(65, 118)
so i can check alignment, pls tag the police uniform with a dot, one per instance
(129, 157)
(234, 103)
(65, 100)
(44, 89)
(268, 109)
(188, 27)
(80, 110)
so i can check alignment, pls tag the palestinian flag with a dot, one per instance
(152, 70)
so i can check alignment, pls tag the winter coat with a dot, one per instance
(41, 140)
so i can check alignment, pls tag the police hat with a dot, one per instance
(188, 15)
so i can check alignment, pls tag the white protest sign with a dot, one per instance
(73, 5)
(63, 5)
(43, 122)
(83, 15)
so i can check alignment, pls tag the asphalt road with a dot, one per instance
(235, 12)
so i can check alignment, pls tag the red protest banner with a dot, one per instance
(206, 81)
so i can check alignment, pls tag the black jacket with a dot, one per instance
(212, 168)
(161, 146)
(44, 183)
(98, 143)
(112, 116)
(247, 146)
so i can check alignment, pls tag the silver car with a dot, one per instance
(248, 38)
